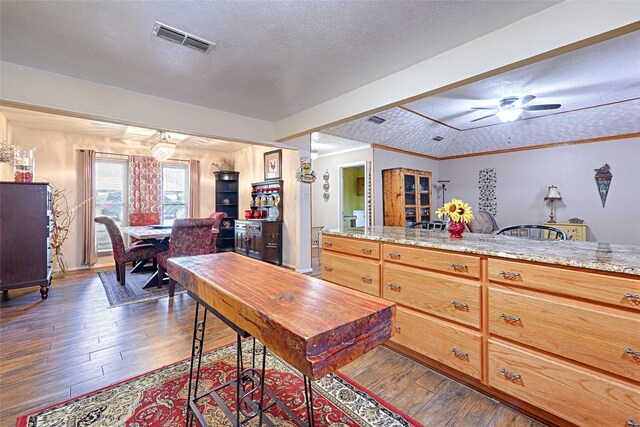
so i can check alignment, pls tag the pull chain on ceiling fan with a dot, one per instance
(511, 107)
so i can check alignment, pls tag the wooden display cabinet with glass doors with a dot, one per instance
(407, 196)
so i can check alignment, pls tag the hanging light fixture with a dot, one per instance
(314, 154)
(163, 148)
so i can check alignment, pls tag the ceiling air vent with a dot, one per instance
(376, 119)
(177, 36)
(437, 138)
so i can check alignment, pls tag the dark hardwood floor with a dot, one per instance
(74, 343)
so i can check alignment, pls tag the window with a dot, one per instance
(111, 196)
(175, 191)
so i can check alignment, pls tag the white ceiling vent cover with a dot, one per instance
(177, 36)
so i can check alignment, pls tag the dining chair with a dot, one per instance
(315, 240)
(483, 222)
(143, 218)
(121, 254)
(533, 231)
(217, 217)
(430, 225)
(189, 236)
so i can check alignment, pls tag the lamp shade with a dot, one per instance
(553, 193)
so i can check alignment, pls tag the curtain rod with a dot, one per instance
(82, 150)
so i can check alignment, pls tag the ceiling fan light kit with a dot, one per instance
(511, 108)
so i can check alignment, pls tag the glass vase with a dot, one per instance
(23, 164)
(59, 265)
(456, 229)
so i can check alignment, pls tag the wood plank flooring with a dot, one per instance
(74, 343)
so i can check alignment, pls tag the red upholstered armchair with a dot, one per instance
(189, 236)
(122, 254)
(217, 216)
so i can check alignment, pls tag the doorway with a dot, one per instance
(352, 195)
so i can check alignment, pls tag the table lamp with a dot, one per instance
(552, 195)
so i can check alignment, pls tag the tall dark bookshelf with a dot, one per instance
(227, 202)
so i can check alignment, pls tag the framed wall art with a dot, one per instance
(273, 164)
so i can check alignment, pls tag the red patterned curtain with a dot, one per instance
(145, 185)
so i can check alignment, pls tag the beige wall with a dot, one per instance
(351, 200)
(6, 170)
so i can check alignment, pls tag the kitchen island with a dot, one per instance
(550, 326)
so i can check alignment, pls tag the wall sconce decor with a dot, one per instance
(603, 181)
(304, 172)
(325, 186)
(552, 195)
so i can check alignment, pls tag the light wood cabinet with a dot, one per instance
(444, 342)
(563, 342)
(352, 272)
(576, 394)
(577, 232)
(406, 196)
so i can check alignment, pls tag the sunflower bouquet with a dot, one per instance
(457, 210)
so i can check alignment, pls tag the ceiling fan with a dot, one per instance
(511, 107)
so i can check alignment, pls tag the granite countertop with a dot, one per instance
(592, 255)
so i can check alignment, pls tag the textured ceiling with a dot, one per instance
(272, 59)
(598, 87)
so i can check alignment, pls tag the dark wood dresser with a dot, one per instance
(26, 223)
(260, 239)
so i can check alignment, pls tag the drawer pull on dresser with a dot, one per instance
(460, 305)
(460, 268)
(394, 256)
(398, 329)
(633, 297)
(630, 423)
(327, 268)
(394, 287)
(510, 275)
(510, 375)
(634, 354)
(327, 244)
(366, 279)
(510, 319)
(366, 251)
(459, 354)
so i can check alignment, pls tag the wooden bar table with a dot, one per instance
(315, 326)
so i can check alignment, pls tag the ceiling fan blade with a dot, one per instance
(483, 108)
(526, 99)
(484, 117)
(542, 107)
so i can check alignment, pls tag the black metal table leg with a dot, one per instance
(196, 351)
(308, 394)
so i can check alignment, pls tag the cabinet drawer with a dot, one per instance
(446, 296)
(599, 336)
(360, 247)
(619, 291)
(581, 396)
(355, 273)
(451, 345)
(449, 262)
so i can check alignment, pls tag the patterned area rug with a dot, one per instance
(133, 291)
(159, 398)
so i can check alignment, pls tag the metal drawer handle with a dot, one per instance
(631, 296)
(460, 268)
(366, 279)
(327, 244)
(327, 268)
(510, 275)
(366, 251)
(394, 256)
(633, 353)
(510, 319)
(459, 354)
(460, 305)
(630, 423)
(510, 375)
(394, 287)
(398, 329)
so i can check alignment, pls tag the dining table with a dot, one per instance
(157, 235)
